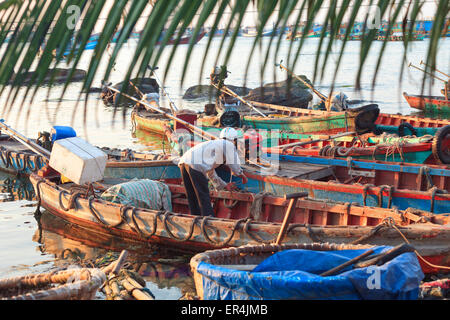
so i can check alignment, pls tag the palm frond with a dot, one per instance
(41, 39)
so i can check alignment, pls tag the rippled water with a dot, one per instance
(25, 247)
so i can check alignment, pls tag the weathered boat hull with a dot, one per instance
(237, 223)
(428, 103)
(366, 183)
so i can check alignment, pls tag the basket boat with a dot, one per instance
(72, 284)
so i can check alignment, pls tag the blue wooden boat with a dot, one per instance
(372, 183)
(279, 272)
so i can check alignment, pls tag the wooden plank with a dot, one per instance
(298, 170)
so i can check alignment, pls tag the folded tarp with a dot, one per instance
(294, 274)
(144, 193)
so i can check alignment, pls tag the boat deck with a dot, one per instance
(293, 170)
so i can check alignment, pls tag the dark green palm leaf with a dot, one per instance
(39, 26)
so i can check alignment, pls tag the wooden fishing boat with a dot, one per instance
(433, 104)
(397, 123)
(150, 122)
(239, 220)
(315, 121)
(17, 158)
(374, 183)
(385, 122)
(305, 271)
(304, 121)
(384, 148)
(404, 185)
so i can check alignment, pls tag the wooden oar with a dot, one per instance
(194, 129)
(301, 143)
(434, 69)
(323, 97)
(429, 73)
(335, 270)
(172, 105)
(168, 115)
(25, 141)
(289, 211)
(226, 90)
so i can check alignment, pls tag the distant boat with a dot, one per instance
(399, 36)
(253, 32)
(428, 103)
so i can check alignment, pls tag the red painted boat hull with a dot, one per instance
(428, 103)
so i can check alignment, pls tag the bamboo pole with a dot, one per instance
(231, 93)
(434, 69)
(429, 73)
(172, 105)
(300, 143)
(323, 97)
(24, 140)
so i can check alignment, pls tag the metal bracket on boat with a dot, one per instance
(368, 174)
(352, 172)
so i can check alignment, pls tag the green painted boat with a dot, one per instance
(360, 120)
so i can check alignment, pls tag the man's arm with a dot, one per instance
(216, 181)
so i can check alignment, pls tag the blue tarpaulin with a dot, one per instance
(294, 274)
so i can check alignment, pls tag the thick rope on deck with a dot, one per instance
(188, 235)
(226, 240)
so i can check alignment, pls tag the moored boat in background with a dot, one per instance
(432, 104)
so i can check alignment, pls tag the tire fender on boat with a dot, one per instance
(440, 145)
(406, 125)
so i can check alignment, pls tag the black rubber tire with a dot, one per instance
(365, 118)
(230, 119)
(440, 145)
(406, 125)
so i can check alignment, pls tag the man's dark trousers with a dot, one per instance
(196, 185)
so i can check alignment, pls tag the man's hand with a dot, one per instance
(231, 187)
(244, 178)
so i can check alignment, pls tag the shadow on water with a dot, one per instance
(61, 244)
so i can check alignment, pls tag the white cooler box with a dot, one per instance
(78, 160)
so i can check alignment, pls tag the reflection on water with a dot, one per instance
(152, 140)
(167, 276)
(14, 188)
